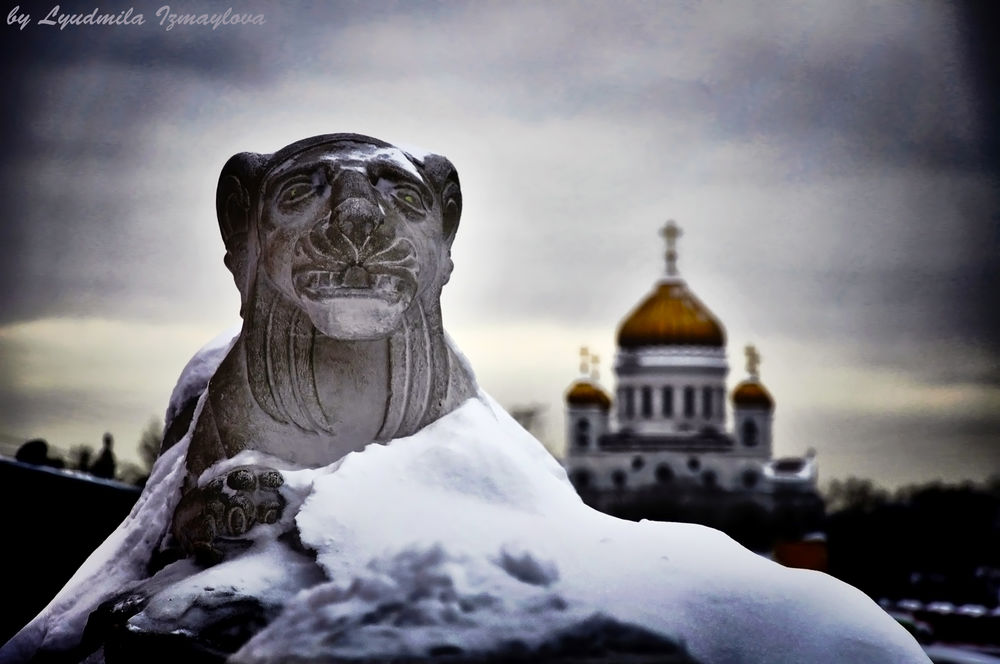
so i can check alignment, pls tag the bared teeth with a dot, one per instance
(385, 281)
(315, 281)
(356, 277)
(324, 283)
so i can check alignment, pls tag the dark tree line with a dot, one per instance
(931, 542)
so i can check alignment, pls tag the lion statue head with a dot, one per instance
(348, 227)
(339, 245)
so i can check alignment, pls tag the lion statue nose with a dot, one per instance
(355, 212)
(356, 218)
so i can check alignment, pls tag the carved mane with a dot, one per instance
(280, 345)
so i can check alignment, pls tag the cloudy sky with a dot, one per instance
(832, 164)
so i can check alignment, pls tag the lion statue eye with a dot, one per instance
(410, 199)
(296, 192)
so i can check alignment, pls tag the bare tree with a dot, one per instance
(854, 493)
(80, 457)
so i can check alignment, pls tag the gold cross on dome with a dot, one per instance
(753, 361)
(584, 360)
(670, 232)
(594, 371)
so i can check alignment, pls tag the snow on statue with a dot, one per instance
(334, 485)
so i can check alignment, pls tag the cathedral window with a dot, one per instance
(689, 401)
(582, 433)
(618, 477)
(664, 473)
(706, 402)
(629, 402)
(667, 408)
(750, 478)
(581, 478)
(647, 401)
(749, 433)
(638, 462)
(710, 479)
(694, 463)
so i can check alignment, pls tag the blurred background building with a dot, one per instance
(663, 447)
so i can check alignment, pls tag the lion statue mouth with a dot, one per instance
(340, 269)
(355, 281)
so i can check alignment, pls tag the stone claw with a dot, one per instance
(271, 479)
(242, 479)
(212, 520)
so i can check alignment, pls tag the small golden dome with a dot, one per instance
(671, 316)
(752, 394)
(585, 393)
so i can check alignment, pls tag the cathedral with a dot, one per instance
(667, 426)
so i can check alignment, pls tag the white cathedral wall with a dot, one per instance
(597, 424)
(762, 418)
(678, 380)
(678, 368)
(728, 468)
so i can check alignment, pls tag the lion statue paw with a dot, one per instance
(214, 520)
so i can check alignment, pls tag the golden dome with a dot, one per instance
(751, 393)
(585, 393)
(671, 316)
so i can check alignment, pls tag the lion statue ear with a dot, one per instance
(441, 174)
(237, 188)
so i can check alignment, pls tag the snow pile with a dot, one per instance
(426, 603)
(467, 538)
(235, 597)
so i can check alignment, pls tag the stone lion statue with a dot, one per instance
(340, 245)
